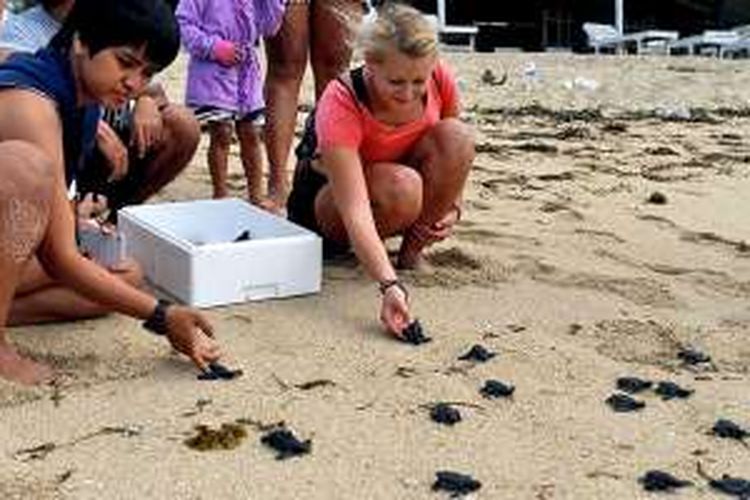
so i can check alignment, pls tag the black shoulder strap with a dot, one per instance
(358, 85)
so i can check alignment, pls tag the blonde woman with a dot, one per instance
(391, 157)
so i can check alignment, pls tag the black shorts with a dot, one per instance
(94, 176)
(300, 206)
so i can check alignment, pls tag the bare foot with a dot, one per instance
(16, 368)
(414, 261)
(272, 205)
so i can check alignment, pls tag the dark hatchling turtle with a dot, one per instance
(217, 371)
(727, 429)
(478, 353)
(444, 413)
(414, 334)
(633, 385)
(496, 389)
(622, 403)
(285, 443)
(455, 483)
(734, 486)
(656, 480)
(669, 390)
(690, 356)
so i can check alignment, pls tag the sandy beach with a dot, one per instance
(559, 264)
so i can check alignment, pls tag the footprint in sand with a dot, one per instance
(492, 238)
(639, 290)
(671, 172)
(454, 268)
(636, 341)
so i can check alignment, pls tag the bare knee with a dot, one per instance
(397, 195)
(221, 135)
(453, 142)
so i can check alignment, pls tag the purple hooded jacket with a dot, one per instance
(243, 22)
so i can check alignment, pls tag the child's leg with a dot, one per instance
(248, 133)
(25, 195)
(218, 155)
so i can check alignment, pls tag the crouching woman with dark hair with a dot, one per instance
(104, 55)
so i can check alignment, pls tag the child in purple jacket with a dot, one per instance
(224, 83)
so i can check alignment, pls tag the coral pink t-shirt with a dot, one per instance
(342, 121)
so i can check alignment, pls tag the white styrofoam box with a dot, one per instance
(106, 248)
(187, 249)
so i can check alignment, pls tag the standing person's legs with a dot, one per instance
(218, 155)
(333, 25)
(443, 158)
(251, 153)
(25, 194)
(287, 59)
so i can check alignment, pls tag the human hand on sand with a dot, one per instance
(191, 334)
(394, 310)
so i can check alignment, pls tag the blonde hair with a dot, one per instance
(397, 26)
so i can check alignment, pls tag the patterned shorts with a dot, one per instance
(209, 114)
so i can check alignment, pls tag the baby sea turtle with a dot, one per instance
(285, 443)
(656, 480)
(455, 483)
(478, 353)
(657, 198)
(622, 403)
(217, 371)
(633, 385)
(414, 334)
(669, 390)
(734, 486)
(496, 389)
(243, 236)
(727, 429)
(691, 356)
(444, 413)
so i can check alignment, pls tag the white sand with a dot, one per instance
(556, 233)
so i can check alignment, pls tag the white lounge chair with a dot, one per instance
(715, 41)
(651, 39)
(606, 36)
(742, 46)
(738, 49)
(453, 29)
(602, 36)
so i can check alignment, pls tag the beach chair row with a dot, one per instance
(721, 43)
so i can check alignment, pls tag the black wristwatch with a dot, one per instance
(157, 322)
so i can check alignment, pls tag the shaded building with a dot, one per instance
(543, 24)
